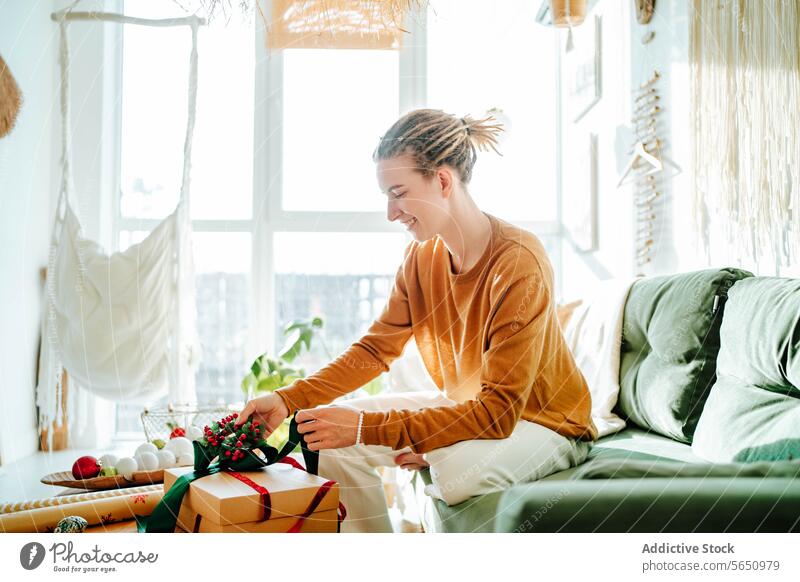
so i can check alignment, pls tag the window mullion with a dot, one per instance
(413, 62)
(267, 185)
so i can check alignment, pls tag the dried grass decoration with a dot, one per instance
(10, 99)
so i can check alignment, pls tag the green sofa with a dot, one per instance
(710, 390)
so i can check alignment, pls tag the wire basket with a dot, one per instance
(158, 423)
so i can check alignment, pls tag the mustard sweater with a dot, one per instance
(489, 337)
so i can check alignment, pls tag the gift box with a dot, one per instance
(98, 507)
(318, 522)
(277, 498)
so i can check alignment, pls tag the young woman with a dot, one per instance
(476, 293)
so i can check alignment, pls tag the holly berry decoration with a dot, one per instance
(177, 431)
(86, 468)
(230, 443)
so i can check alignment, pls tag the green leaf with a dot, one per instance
(268, 374)
(291, 348)
(295, 324)
(269, 384)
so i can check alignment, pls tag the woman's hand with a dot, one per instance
(411, 461)
(269, 410)
(329, 427)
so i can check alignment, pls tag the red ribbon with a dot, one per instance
(266, 501)
(341, 513)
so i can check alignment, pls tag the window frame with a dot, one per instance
(266, 221)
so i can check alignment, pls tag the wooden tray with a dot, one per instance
(65, 479)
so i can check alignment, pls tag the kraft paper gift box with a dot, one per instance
(223, 503)
(318, 522)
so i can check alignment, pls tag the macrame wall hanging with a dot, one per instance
(10, 99)
(745, 83)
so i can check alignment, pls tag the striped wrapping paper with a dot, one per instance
(96, 507)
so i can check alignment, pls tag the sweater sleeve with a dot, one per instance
(364, 360)
(518, 325)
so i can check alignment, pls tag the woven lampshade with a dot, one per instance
(345, 24)
(568, 12)
(10, 99)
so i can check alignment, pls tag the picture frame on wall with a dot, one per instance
(583, 69)
(580, 194)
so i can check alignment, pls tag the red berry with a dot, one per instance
(227, 453)
(235, 415)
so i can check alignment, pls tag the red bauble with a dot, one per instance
(177, 432)
(86, 468)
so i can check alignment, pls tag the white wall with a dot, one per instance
(627, 62)
(613, 257)
(27, 181)
(29, 177)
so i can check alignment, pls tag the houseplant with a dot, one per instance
(268, 374)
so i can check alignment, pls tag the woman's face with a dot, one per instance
(420, 204)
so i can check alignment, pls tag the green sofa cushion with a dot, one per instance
(753, 411)
(669, 349)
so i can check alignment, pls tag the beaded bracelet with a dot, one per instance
(358, 431)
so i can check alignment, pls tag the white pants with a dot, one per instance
(458, 471)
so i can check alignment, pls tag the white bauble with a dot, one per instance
(186, 459)
(147, 461)
(107, 461)
(146, 448)
(193, 433)
(179, 446)
(166, 459)
(126, 466)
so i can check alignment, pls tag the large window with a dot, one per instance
(484, 55)
(288, 218)
(155, 65)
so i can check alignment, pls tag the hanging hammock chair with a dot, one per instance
(121, 325)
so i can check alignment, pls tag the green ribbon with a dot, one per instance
(165, 515)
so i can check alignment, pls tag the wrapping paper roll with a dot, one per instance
(75, 497)
(116, 506)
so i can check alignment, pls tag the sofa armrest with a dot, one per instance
(714, 504)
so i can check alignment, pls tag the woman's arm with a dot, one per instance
(364, 360)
